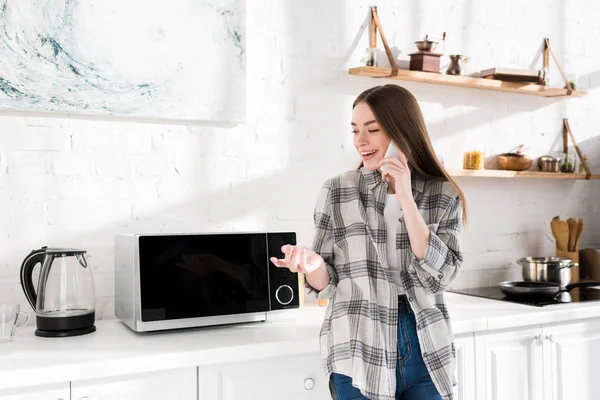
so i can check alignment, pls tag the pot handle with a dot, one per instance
(570, 265)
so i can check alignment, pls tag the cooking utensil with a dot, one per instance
(562, 276)
(514, 161)
(578, 235)
(547, 269)
(560, 230)
(573, 228)
(539, 290)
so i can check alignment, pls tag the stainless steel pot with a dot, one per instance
(547, 269)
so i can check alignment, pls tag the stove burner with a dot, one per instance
(576, 295)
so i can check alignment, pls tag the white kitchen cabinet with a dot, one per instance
(59, 391)
(509, 365)
(571, 354)
(465, 367)
(291, 378)
(177, 384)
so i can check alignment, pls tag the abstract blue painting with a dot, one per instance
(176, 59)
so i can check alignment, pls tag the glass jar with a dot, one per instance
(371, 57)
(474, 159)
(567, 163)
(573, 78)
(586, 161)
(546, 76)
(549, 164)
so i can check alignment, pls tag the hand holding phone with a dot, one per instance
(392, 152)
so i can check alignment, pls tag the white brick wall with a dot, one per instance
(76, 181)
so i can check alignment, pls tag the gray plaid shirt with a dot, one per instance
(359, 334)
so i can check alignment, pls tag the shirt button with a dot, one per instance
(440, 276)
(410, 299)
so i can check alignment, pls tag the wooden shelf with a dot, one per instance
(466, 81)
(492, 173)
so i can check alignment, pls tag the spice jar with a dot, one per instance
(474, 159)
(567, 163)
(549, 164)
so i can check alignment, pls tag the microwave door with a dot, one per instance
(191, 276)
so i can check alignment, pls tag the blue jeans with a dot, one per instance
(412, 378)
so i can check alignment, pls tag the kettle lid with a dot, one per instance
(58, 252)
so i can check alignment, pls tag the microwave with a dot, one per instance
(172, 281)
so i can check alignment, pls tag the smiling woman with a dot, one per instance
(386, 246)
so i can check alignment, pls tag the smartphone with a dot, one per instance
(392, 152)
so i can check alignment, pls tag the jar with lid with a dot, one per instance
(567, 163)
(549, 164)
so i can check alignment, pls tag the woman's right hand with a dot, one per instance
(299, 259)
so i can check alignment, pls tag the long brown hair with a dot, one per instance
(399, 115)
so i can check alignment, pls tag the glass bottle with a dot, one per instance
(371, 57)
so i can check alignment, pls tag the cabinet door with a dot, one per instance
(571, 354)
(465, 368)
(510, 365)
(178, 384)
(47, 392)
(290, 378)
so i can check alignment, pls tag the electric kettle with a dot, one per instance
(63, 298)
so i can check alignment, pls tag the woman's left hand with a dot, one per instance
(398, 170)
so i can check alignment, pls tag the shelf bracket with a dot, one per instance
(567, 131)
(376, 24)
(547, 53)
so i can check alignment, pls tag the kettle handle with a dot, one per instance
(35, 257)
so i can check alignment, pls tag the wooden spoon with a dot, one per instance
(579, 232)
(573, 228)
(560, 230)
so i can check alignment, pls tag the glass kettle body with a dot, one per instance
(63, 297)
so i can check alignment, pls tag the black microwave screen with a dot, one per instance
(189, 276)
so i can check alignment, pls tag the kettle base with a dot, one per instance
(66, 333)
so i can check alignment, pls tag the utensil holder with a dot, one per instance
(574, 256)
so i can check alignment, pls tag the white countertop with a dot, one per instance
(115, 350)
(473, 314)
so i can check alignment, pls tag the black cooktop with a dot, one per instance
(576, 295)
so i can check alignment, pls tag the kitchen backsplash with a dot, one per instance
(75, 182)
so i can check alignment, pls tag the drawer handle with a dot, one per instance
(309, 384)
